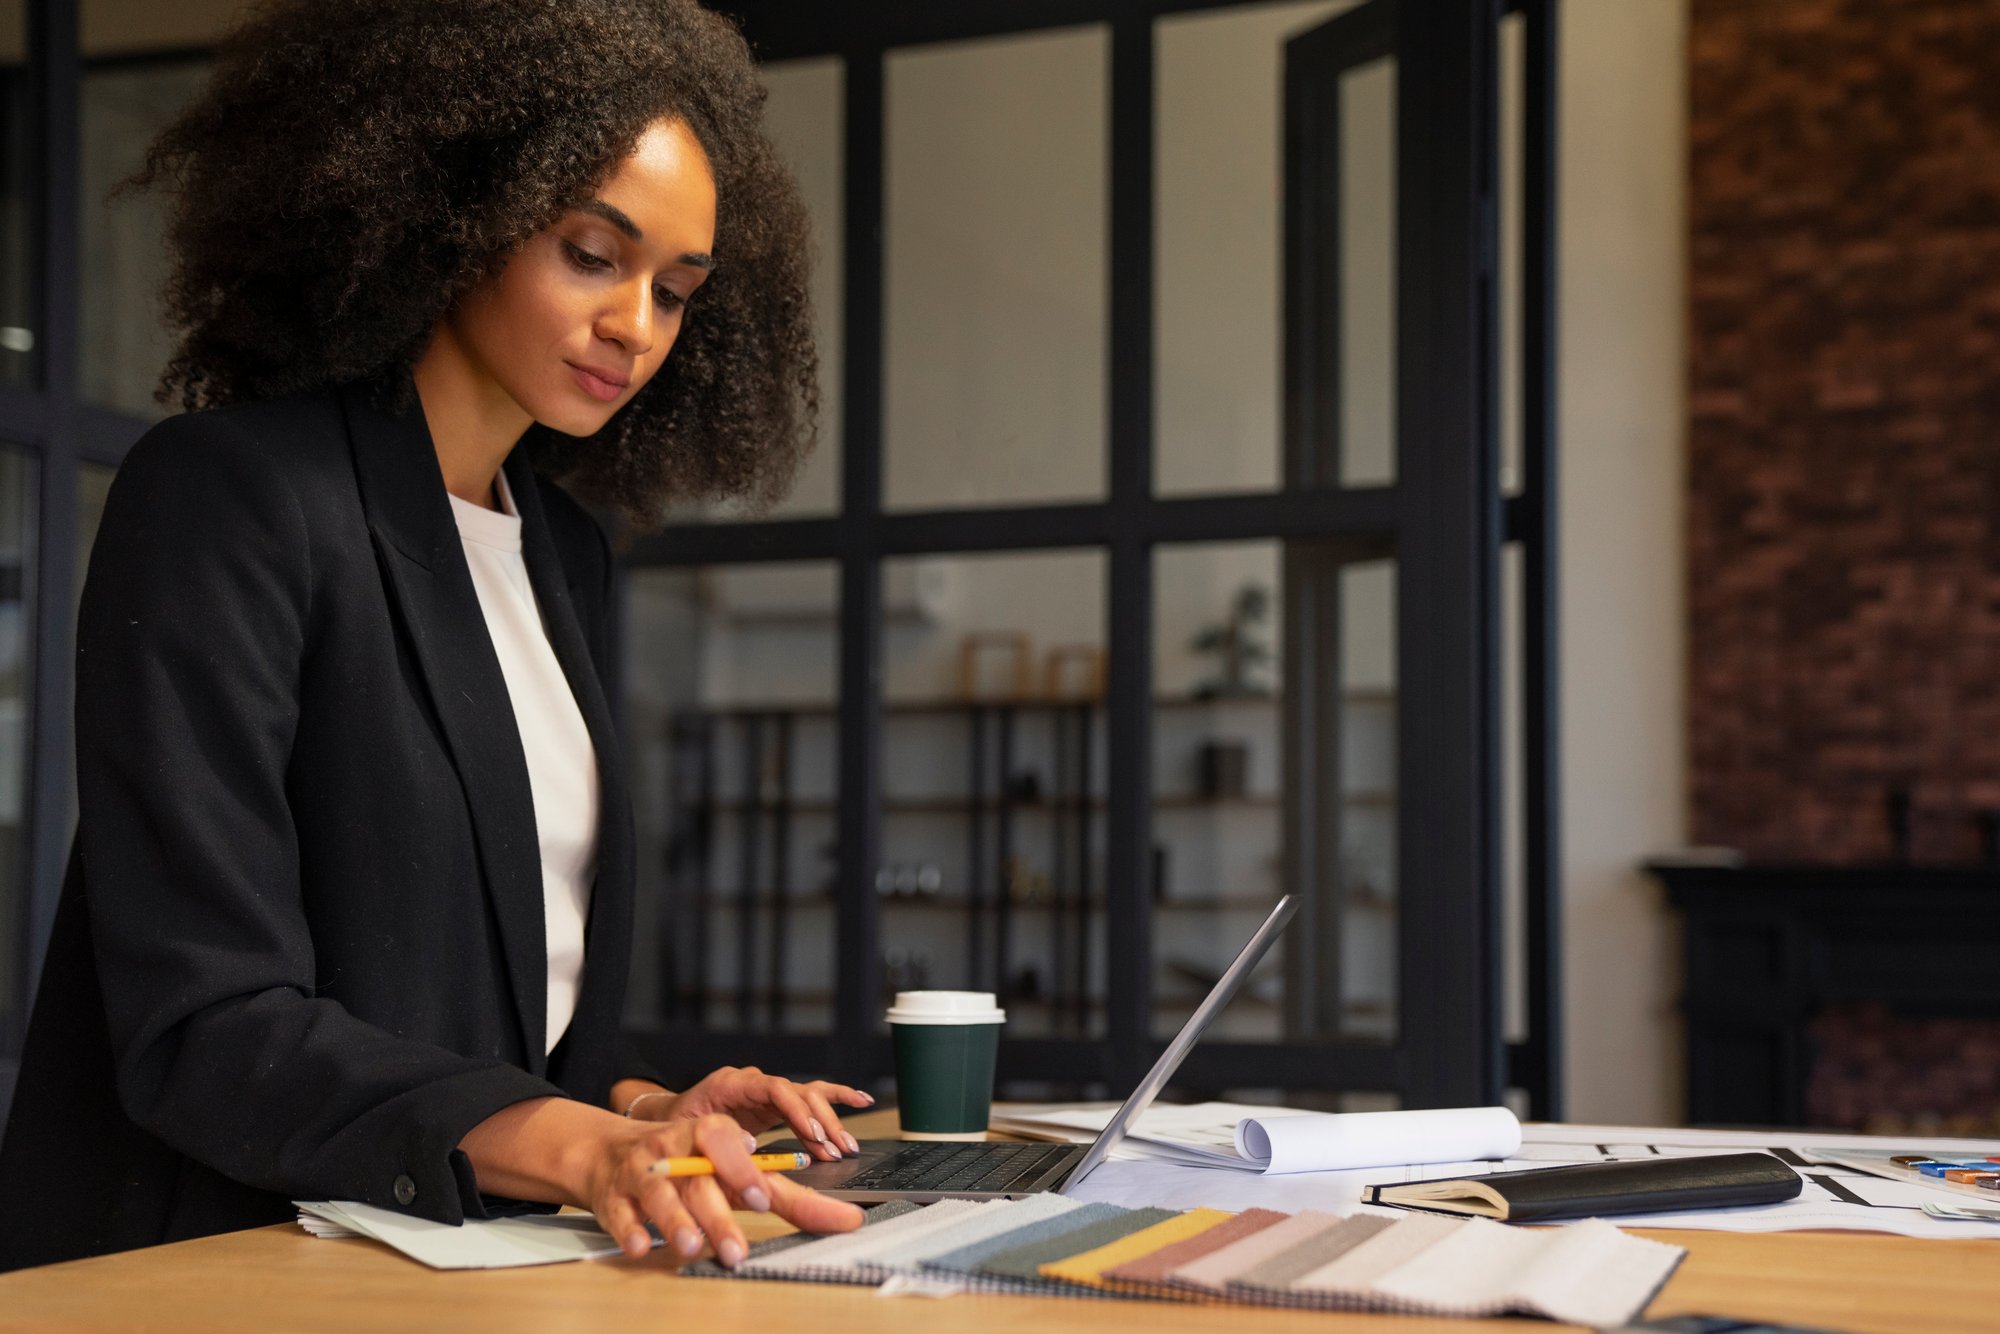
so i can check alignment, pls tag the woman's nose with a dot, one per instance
(628, 320)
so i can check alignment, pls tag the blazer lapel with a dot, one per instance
(417, 543)
(607, 935)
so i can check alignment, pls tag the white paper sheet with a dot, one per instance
(482, 1243)
(1833, 1197)
(1327, 1142)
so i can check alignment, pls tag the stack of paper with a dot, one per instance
(1278, 1140)
(482, 1243)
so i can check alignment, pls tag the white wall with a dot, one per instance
(1623, 167)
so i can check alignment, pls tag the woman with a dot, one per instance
(349, 910)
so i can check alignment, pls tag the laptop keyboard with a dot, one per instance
(967, 1167)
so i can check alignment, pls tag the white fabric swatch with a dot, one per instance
(832, 1259)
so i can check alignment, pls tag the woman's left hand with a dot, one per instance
(757, 1101)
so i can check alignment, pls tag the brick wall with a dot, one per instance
(1844, 423)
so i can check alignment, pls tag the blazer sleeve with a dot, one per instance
(191, 636)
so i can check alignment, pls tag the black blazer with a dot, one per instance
(299, 950)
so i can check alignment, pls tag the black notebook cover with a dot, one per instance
(1599, 1190)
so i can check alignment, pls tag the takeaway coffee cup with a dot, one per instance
(945, 1043)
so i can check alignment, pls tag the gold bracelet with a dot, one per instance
(661, 1093)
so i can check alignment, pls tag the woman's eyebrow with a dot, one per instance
(614, 215)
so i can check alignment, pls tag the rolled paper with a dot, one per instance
(1335, 1142)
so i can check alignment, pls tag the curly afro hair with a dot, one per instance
(353, 168)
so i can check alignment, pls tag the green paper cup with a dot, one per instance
(945, 1045)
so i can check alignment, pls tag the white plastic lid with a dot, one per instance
(946, 1007)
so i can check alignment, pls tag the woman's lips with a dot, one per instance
(597, 386)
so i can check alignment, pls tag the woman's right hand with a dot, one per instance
(625, 1195)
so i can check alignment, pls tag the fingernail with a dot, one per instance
(830, 1147)
(853, 1145)
(637, 1244)
(868, 1098)
(749, 1142)
(756, 1198)
(730, 1251)
(819, 1131)
(687, 1241)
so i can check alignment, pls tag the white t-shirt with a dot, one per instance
(562, 764)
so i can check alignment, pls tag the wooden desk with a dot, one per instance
(280, 1278)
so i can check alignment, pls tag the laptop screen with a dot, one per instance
(1170, 1059)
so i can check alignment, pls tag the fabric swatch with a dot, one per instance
(986, 1221)
(1150, 1269)
(1048, 1239)
(968, 1258)
(709, 1268)
(1315, 1252)
(1088, 1267)
(1026, 1261)
(832, 1259)
(1587, 1273)
(1212, 1272)
(1341, 1284)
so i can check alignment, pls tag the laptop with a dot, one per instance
(922, 1171)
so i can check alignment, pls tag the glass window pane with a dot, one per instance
(1217, 782)
(124, 253)
(142, 63)
(1368, 275)
(127, 28)
(17, 583)
(18, 129)
(1367, 797)
(993, 757)
(995, 287)
(805, 116)
(1259, 792)
(730, 705)
(1513, 806)
(1218, 265)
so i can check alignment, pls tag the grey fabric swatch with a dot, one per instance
(986, 1221)
(708, 1268)
(1319, 1249)
(967, 1259)
(1026, 1260)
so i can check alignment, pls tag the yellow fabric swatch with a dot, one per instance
(1088, 1268)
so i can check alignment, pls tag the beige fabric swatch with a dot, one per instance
(1357, 1270)
(1315, 1252)
(1212, 1272)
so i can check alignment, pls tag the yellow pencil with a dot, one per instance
(702, 1167)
